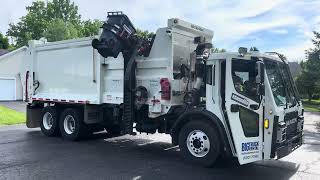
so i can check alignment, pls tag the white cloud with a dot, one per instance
(295, 52)
(279, 31)
(11, 11)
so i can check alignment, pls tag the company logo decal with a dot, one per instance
(239, 100)
(250, 146)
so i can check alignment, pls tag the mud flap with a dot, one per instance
(33, 116)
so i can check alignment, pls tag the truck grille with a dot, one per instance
(291, 120)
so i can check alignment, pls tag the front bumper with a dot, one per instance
(289, 146)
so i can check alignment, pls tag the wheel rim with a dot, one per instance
(69, 124)
(198, 143)
(47, 121)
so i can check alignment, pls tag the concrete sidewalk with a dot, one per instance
(306, 159)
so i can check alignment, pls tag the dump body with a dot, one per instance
(66, 71)
(72, 71)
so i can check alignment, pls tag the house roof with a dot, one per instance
(3, 51)
(8, 54)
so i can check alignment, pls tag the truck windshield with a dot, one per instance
(292, 86)
(279, 80)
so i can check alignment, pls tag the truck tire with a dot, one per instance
(72, 127)
(49, 123)
(199, 143)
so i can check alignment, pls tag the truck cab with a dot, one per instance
(262, 114)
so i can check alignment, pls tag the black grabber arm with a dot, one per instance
(118, 36)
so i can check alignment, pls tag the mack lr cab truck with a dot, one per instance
(242, 104)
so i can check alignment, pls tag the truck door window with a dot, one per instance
(249, 122)
(243, 76)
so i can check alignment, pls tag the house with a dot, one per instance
(10, 77)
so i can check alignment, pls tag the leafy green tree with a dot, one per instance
(30, 26)
(254, 49)
(39, 16)
(217, 50)
(144, 34)
(4, 42)
(90, 28)
(316, 40)
(65, 10)
(59, 30)
(306, 84)
(308, 81)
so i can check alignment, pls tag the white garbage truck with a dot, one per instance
(241, 104)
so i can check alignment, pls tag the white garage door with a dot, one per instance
(7, 89)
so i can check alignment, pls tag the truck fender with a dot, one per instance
(204, 115)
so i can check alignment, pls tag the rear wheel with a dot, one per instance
(199, 143)
(49, 123)
(72, 126)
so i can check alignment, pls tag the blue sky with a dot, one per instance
(271, 25)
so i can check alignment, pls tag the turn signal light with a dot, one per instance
(266, 123)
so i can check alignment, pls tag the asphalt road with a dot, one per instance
(27, 154)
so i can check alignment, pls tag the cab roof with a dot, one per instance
(230, 55)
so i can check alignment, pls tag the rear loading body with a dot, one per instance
(211, 105)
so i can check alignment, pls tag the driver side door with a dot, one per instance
(243, 109)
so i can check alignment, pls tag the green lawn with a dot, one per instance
(9, 116)
(312, 106)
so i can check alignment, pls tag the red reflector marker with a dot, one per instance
(165, 89)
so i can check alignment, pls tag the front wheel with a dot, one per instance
(199, 143)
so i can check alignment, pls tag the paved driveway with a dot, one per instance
(19, 106)
(27, 154)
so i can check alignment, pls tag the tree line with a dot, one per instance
(55, 20)
(308, 81)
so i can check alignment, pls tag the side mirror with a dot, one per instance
(260, 72)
